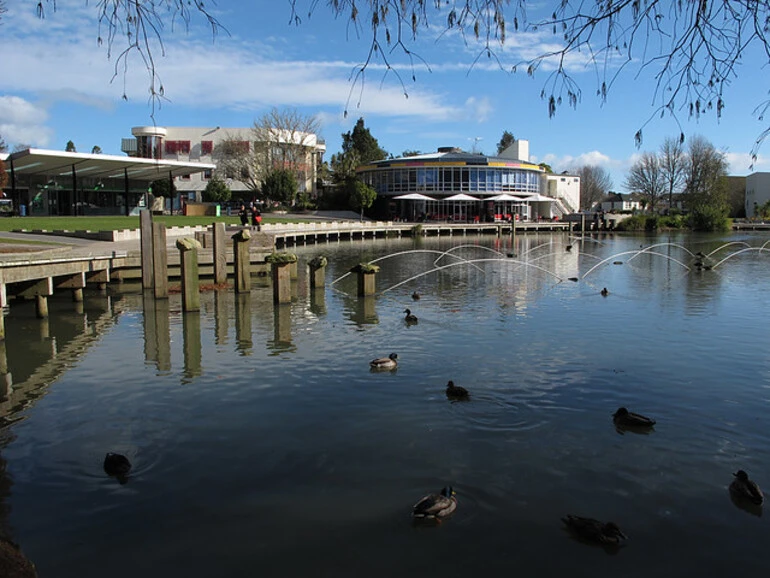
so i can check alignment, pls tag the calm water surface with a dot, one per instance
(263, 445)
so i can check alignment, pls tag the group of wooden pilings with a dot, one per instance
(155, 264)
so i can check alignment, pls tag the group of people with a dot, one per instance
(256, 216)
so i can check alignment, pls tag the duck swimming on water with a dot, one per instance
(594, 531)
(416, 296)
(389, 362)
(625, 418)
(742, 488)
(436, 506)
(455, 392)
(410, 318)
(604, 292)
(116, 465)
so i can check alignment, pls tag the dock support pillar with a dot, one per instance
(220, 254)
(281, 282)
(188, 260)
(159, 261)
(241, 261)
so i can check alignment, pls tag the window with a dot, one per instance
(207, 147)
(185, 177)
(207, 174)
(178, 147)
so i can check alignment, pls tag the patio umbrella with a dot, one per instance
(505, 197)
(461, 198)
(413, 197)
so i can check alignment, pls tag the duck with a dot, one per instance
(410, 318)
(568, 248)
(116, 464)
(604, 292)
(389, 362)
(594, 531)
(573, 279)
(743, 488)
(416, 296)
(436, 506)
(625, 418)
(456, 392)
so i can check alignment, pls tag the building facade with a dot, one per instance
(455, 185)
(218, 146)
(757, 192)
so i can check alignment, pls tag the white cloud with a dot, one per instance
(479, 109)
(741, 164)
(22, 122)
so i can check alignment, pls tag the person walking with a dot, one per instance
(244, 215)
(256, 218)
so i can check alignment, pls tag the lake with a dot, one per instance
(262, 444)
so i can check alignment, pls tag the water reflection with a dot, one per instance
(319, 451)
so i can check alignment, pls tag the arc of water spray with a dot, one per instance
(403, 253)
(647, 249)
(472, 261)
(728, 244)
(450, 251)
(731, 255)
(611, 257)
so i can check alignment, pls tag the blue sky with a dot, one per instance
(57, 84)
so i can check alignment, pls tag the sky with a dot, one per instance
(58, 83)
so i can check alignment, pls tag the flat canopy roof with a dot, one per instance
(32, 162)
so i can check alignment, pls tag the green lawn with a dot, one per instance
(118, 223)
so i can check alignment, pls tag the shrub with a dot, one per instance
(281, 258)
(365, 268)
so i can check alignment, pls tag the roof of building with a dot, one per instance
(453, 156)
(44, 162)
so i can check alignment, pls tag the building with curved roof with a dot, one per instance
(456, 185)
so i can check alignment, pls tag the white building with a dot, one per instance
(198, 144)
(757, 192)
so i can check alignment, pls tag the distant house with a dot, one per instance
(619, 202)
(757, 192)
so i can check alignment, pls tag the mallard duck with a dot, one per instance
(745, 489)
(116, 464)
(594, 531)
(573, 279)
(625, 418)
(410, 318)
(456, 392)
(416, 296)
(604, 292)
(436, 506)
(568, 248)
(384, 362)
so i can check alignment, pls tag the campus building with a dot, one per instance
(46, 182)
(302, 152)
(757, 192)
(455, 185)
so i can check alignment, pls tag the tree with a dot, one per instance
(363, 143)
(96, 150)
(70, 148)
(646, 178)
(705, 186)
(216, 191)
(3, 146)
(546, 167)
(280, 186)
(21, 147)
(672, 167)
(595, 183)
(279, 139)
(410, 153)
(360, 195)
(163, 188)
(505, 141)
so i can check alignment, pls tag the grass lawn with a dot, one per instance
(118, 223)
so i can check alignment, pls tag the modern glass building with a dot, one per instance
(460, 185)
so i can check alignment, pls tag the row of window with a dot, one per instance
(466, 179)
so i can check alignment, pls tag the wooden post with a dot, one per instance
(41, 306)
(159, 261)
(188, 260)
(317, 268)
(281, 273)
(242, 261)
(220, 254)
(145, 241)
(366, 283)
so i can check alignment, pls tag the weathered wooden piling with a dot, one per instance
(159, 261)
(317, 269)
(242, 261)
(188, 261)
(220, 253)
(145, 243)
(280, 267)
(366, 278)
